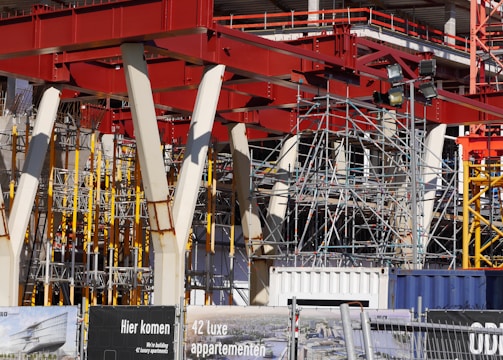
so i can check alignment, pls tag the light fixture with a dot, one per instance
(379, 98)
(396, 96)
(394, 73)
(427, 67)
(428, 90)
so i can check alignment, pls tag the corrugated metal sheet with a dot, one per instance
(329, 286)
(439, 289)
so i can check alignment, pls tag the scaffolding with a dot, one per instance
(350, 193)
(348, 202)
(482, 200)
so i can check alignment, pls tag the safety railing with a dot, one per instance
(319, 19)
(296, 20)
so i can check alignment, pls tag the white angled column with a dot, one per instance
(432, 172)
(196, 150)
(169, 244)
(168, 253)
(278, 203)
(20, 213)
(250, 220)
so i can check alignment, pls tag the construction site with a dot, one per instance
(185, 149)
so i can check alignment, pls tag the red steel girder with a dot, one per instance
(60, 46)
(232, 48)
(101, 25)
(476, 147)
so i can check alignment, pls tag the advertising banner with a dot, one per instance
(236, 332)
(29, 331)
(462, 344)
(131, 332)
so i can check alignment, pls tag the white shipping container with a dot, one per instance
(329, 286)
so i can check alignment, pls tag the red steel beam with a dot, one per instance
(101, 25)
(78, 46)
(481, 147)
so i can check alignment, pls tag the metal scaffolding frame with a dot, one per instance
(350, 194)
(348, 200)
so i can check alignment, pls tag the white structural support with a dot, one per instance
(168, 259)
(196, 150)
(25, 195)
(450, 22)
(278, 202)
(169, 244)
(250, 220)
(313, 6)
(434, 144)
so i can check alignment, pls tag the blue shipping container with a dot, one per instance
(494, 289)
(441, 289)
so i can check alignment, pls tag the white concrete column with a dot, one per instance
(196, 150)
(250, 220)
(340, 158)
(168, 252)
(432, 171)
(19, 216)
(313, 5)
(278, 203)
(396, 177)
(450, 22)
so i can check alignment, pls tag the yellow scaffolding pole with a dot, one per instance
(97, 213)
(232, 243)
(112, 295)
(106, 220)
(209, 228)
(76, 186)
(89, 217)
(479, 181)
(12, 183)
(138, 238)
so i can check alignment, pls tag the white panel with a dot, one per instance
(330, 285)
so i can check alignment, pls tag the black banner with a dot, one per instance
(131, 332)
(452, 343)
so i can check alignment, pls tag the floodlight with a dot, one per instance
(394, 73)
(378, 97)
(428, 90)
(396, 96)
(427, 67)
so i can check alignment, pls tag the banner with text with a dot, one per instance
(236, 332)
(131, 332)
(479, 344)
(28, 330)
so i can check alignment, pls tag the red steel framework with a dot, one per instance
(486, 40)
(78, 48)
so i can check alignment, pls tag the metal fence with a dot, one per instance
(397, 339)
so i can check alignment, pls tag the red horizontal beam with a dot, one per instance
(477, 147)
(79, 47)
(101, 25)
